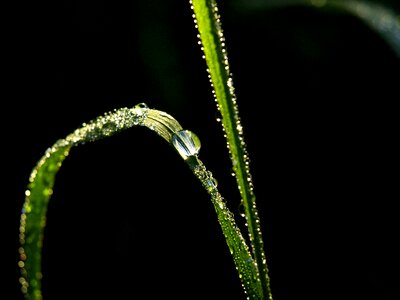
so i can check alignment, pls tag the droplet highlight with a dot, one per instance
(186, 143)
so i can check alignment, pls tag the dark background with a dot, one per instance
(317, 92)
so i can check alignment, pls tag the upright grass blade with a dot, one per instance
(33, 217)
(208, 23)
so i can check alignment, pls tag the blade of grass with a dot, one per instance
(208, 23)
(42, 179)
(40, 189)
(378, 17)
(188, 146)
(33, 219)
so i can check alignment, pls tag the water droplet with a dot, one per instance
(242, 210)
(211, 183)
(141, 105)
(140, 113)
(186, 143)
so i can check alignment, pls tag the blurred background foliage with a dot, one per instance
(317, 89)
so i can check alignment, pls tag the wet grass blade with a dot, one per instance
(40, 189)
(33, 219)
(208, 23)
(38, 194)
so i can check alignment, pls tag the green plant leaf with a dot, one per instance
(38, 194)
(40, 189)
(33, 218)
(208, 23)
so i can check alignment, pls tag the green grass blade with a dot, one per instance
(188, 146)
(245, 265)
(40, 188)
(207, 21)
(33, 219)
(42, 179)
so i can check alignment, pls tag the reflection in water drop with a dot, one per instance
(206, 178)
(211, 183)
(186, 143)
(140, 112)
(141, 105)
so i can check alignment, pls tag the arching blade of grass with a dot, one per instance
(380, 18)
(33, 219)
(207, 21)
(38, 194)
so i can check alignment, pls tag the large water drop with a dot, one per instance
(140, 113)
(187, 143)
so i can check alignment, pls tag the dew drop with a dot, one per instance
(186, 143)
(140, 113)
(241, 210)
(141, 105)
(211, 183)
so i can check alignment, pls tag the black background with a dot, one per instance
(317, 92)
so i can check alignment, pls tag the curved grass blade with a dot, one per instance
(33, 218)
(42, 178)
(40, 188)
(208, 23)
(380, 18)
(188, 145)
